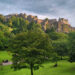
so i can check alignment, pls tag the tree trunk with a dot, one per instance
(56, 64)
(31, 67)
(61, 57)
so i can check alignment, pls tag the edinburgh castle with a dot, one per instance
(60, 25)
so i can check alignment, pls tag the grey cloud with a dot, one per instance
(52, 8)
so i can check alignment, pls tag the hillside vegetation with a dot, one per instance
(29, 45)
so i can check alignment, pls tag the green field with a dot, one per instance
(64, 68)
(5, 55)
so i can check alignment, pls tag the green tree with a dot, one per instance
(10, 23)
(31, 25)
(57, 36)
(30, 49)
(35, 27)
(72, 47)
(5, 32)
(60, 43)
(61, 48)
(55, 58)
(19, 25)
(3, 41)
(2, 18)
(50, 30)
(23, 25)
(46, 19)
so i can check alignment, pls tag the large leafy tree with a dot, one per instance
(3, 41)
(2, 18)
(34, 26)
(60, 42)
(61, 48)
(30, 49)
(72, 47)
(18, 24)
(5, 32)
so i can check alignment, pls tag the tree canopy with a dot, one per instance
(30, 49)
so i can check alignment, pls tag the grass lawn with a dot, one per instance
(64, 68)
(4, 55)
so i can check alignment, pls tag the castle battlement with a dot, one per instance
(63, 21)
(61, 25)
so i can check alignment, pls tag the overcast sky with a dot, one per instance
(41, 8)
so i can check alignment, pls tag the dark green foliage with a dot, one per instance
(46, 19)
(30, 51)
(31, 46)
(57, 36)
(2, 19)
(60, 44)
(52, 29)
(72, 46)
(3, 41)
(61, 48)
(4, 36)
(18, 24)
(72, 57)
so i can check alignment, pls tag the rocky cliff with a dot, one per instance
(60, 25)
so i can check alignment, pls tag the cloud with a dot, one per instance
(49, 8)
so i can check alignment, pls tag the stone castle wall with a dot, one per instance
(62, 25)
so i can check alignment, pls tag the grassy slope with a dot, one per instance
(5, 55)
(64, 68)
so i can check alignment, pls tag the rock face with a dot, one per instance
(60, 25)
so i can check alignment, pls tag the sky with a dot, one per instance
(42, 8)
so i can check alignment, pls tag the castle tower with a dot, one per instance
(62, 25)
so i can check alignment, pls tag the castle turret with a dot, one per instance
(63, 25)
(63, 21)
